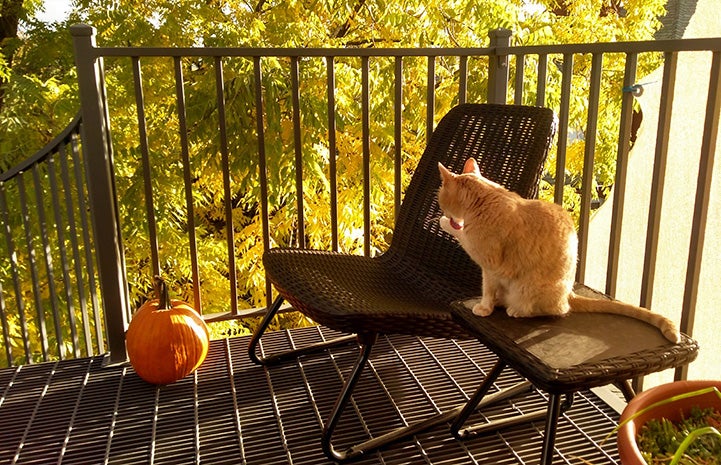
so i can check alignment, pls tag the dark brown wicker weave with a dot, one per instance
(409, 289)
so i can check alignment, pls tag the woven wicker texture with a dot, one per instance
(578, 351)
(410, 287)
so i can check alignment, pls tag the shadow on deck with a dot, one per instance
(231, 411)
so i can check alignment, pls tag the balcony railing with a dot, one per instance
(49, 296)
(312, 138)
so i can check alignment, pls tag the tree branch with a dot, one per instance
(345, 27)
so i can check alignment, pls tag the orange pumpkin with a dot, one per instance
(166, 339)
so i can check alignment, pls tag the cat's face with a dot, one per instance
(450, 195)
(459, 192)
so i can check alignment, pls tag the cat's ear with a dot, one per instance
(471, 167)
(445, 174)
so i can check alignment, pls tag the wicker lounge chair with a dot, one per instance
(409, 289)
(417, 286)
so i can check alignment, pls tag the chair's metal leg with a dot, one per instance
(626, 389)
(480, 399)
(366, 344)
(552, 413)
(399, 433)
(474, 400)
(555, 408)
(291, 354)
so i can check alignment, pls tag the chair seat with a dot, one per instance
(578, 351)
(358, 294)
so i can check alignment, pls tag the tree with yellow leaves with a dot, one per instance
(40, 96)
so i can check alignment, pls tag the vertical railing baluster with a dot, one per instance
(365, 128)
(4, 316)
(430, 97)
(701, 204)
(332, 151)
(542, 72)
(64, 266)
(462, 79)
(262, 164)
(73, 238)
(147, 170)
(663, 133)
(563, 119)
(295, 98)
(187, 181)
(518, 81)
(15, 272)
(619, 185)
(32, 265)
(44, 233)
(227, 192)
(88, 247)
(398, 135)
(589, 153)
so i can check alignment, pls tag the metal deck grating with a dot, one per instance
(231, 411)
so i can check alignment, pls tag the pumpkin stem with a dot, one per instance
(161, 293)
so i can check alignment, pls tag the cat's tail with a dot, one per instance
(580, 303)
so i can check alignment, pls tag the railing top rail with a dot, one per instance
(670, 45)
(680, 45)
(40, 155)
(322, 52)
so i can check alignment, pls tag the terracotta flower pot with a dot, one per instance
(626, 437)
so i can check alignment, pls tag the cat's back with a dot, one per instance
(547, 215)
(497, 206)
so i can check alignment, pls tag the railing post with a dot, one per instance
(98, 153)
(498, 66)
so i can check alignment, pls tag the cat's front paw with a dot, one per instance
(482, 309)
(451, 226)
(446, 224)
(515, 312)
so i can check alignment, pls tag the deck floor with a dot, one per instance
(231, 411)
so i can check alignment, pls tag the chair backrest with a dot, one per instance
(510, 144)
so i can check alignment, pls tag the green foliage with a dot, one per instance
(660, 439)
(41, 97)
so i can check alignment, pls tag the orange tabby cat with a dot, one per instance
(526, 250)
